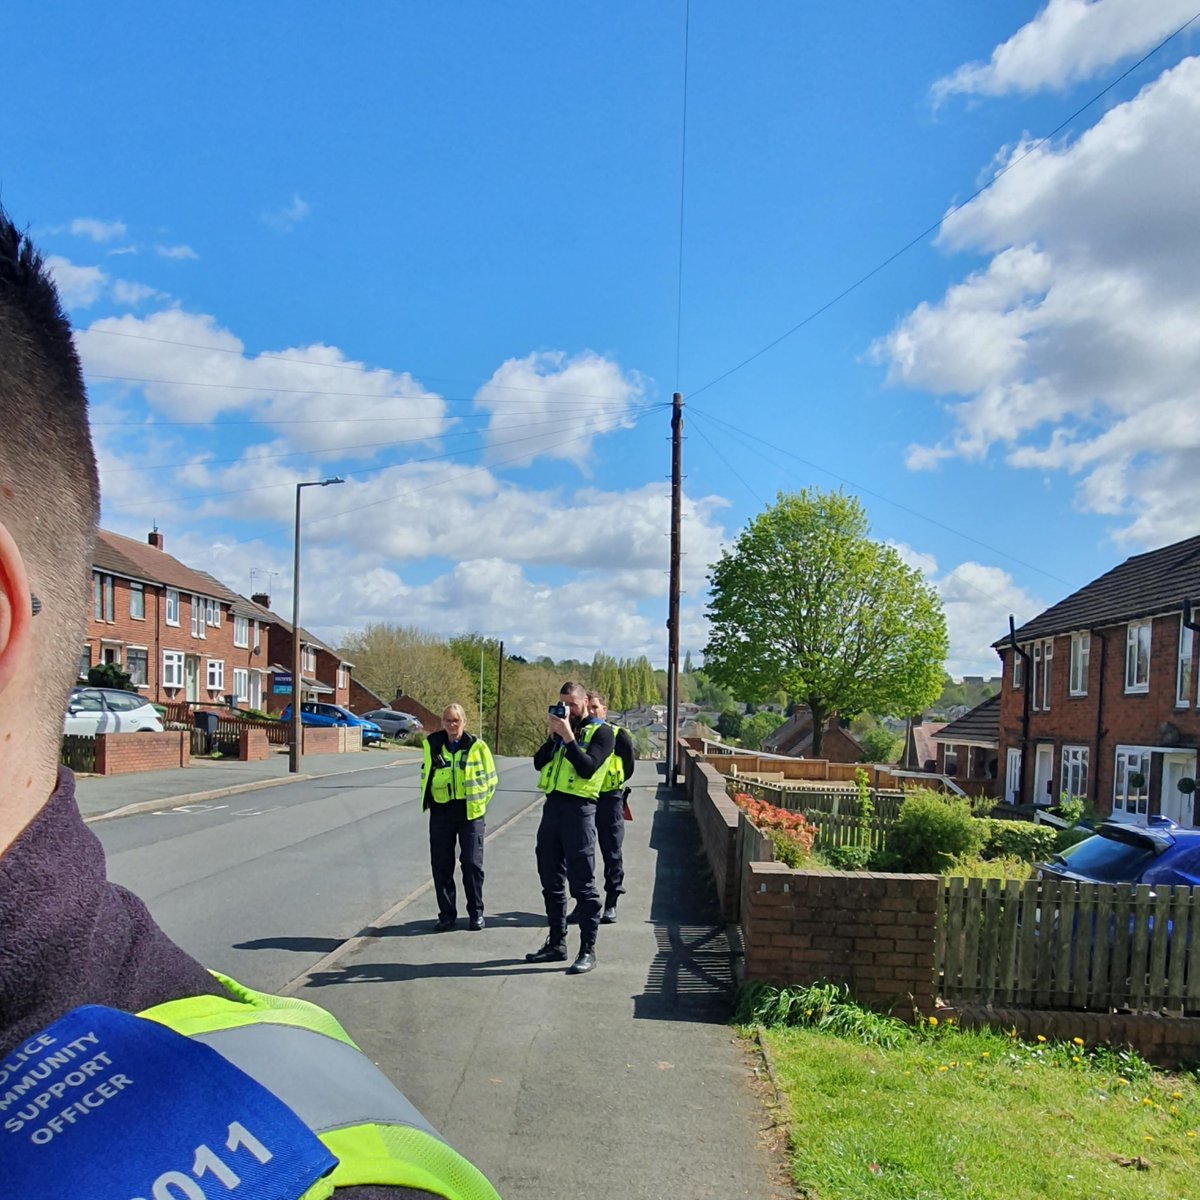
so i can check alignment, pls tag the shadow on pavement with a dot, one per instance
(691, 976)
(503, 920)
(401, 972)
(316, 945)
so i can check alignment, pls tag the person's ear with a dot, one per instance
(16, 611)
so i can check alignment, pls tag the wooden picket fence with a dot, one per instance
(1059, 944)
(78, 753)
(845, 829)
(837, 800)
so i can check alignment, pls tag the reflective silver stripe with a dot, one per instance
(326, 1083)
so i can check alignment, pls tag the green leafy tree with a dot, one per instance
(729, 724)
(758, 727)
(807, 603)
(687, 663)
(880, 745)
(109, 675)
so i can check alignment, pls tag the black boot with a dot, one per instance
(609, 916)
(552, 951)
(586, 960)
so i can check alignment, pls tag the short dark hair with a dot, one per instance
(598, 697)
(573, 689)
(51, 495)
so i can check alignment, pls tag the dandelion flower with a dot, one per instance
(1176, 1095)
(933, 1021)
(943, 1068)
(1121, 1082)
(1041, 1037)
(1191, 1133)
(1078, 1041)
(985, 1054)
(1075, 1058)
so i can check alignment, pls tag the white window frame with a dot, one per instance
(308, 660)
(212, 612)
(198, 626)
(1073, 776)
(1081, 659)
(172, 614)
(145, 654)
(172, 669)
(85, 652)
(1126, 761)
(1135, 682)
(137, 612)
(1183, 668)
(343, 676)
(241, 631)
(241, 685)
(1040, 675)
(1047, 672)
(950, 758)
(215, 674)
(1018, 669)
(102, 597)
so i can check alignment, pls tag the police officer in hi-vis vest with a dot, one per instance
(126, 1068)
(611, 806)
(571, 765)
(458, 778)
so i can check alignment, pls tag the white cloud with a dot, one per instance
(126, 292)
(98, 231)
(78, 287)
(574, 399)
(179, 251)
(286, 219)
(1077, 347)
(1067, 42)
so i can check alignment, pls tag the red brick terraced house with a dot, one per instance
(325, 674)
(1099, 694)
(181, 634)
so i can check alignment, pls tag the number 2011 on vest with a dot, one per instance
(175, 1185)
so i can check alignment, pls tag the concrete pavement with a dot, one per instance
(626, 1083)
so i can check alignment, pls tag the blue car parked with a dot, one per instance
(1159, 852)
(317, 713)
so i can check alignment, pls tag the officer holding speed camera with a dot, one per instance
(571, 765)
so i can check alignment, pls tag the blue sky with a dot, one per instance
(437, 249)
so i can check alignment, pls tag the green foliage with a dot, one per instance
(848, 857)
(822, 1006)
(729, 724)
(757, 728)
(788, 850)
(1018, 839)
(971, 866)
(109, 675)
(968, 695)
(931, 831)
(699, 688)
(880, 745)
(1072, 836)
(807, 603)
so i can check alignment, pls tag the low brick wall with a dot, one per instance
(314, 740)
(1164, 1041)
(253, 745)
(717, 817)
(871, 931)
(124, 753)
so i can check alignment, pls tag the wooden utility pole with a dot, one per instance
(499, 692)
(673, 599)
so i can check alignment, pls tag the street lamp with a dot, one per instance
(294, 753)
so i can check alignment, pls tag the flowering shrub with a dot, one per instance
(790, 834)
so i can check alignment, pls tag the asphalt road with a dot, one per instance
(264, 885)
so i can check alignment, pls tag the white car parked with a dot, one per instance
(393, 723)
(93, 710)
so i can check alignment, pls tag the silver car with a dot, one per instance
(92, 710)
(393, 723)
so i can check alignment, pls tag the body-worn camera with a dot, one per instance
(558, 710)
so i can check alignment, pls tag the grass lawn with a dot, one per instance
(949, 1114)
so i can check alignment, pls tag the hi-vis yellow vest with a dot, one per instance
(614, 769)
(301, 1054)
(559, 776)
(470, 776)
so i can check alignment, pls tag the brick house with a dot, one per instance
(180, 633)
(795, 737)
(968, 748)
(1099, 693)
(324, 673)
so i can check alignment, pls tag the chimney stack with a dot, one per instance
(261, 598)
(156, 539)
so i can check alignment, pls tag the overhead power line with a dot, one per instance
(936, 225)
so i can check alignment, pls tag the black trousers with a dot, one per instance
(566, 858)
(448, 825)
(610, 833)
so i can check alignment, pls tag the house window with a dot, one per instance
(950, 760)
(257, 638)
(102, 596)
(172, 675)
(1039, 676)
(85, 661)
(343, 677)
(137, 663)
(241, 684)
(212, 613)
(1073, 782)
(1131, 781)
(1081, 652)
(241, 631)
(1183, 674)
(1137, 656)
(308, 660)
(137, 601)
(172, 617)
(216, 674)
(1018, 668)
(198, 629)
